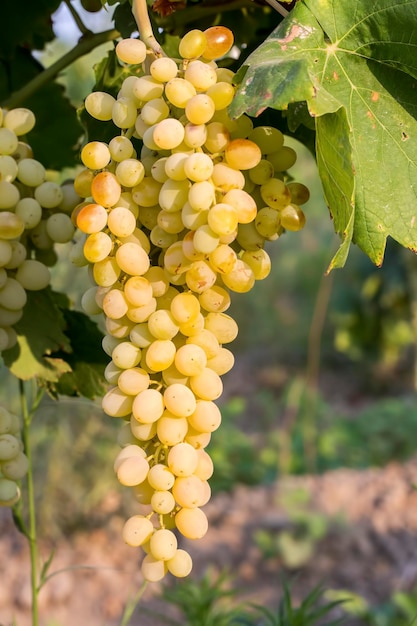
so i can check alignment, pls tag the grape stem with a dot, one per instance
(132, 604)
(77, 19)
(275, 5)
(27, 415)
(141, 15)
(87, 43)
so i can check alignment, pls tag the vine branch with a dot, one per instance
(141, 15)
(77, 19)
(276, 5)
(87, 43)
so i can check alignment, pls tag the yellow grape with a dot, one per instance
(219, 41)
(169, 231)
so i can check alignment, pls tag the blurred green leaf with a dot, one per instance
(87, 359)
(27, 24)
(56, 136)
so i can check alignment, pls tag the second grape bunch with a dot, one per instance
(168, 234)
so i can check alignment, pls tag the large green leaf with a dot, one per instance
(355, 65)
(41, 331)
(52, 347)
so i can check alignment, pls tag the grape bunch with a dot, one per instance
(34, 214)
(178, 208)
(14, 463)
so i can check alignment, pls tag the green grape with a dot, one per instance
(292, 217)
(300, 194)
(283, 159)
(16, 468)
(268, 139)
(9, 195)
(99, 105)
(193, 44)
(275, 193)
(9, 492)
(10, 447)
(124, 112)
(33, 275)
(19, 120)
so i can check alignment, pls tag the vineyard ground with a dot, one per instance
(368, 546)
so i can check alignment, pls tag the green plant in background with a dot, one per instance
(310, 611)
(399, 610)
(207, 601)
(371, 315)
(295, 542)
(212, 602)
(387, 426)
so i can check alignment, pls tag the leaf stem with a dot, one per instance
(31, 530)
(87, 43)
(141, 15)
(77, 19)
(132, 604)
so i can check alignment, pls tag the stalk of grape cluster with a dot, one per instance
(34, 215)
(178, 208)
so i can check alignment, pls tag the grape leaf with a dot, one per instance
(87, 359)
(355, 66)
(54, 143)
(52, 348)
(28, 24)
(124, 20)
(41, 331)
